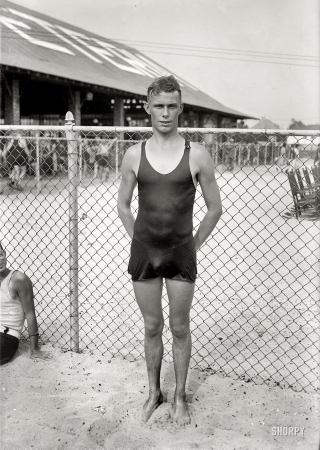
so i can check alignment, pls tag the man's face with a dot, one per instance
(3, 261)
(164, 109)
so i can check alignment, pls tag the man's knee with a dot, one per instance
(180, 329)
(154, 327)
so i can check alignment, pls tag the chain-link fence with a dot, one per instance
(255, 310)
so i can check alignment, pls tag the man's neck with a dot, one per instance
(4, 274)
(165, 140)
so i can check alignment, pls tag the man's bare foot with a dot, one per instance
(179, 412)
(151, 405)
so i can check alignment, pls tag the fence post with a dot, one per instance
(73, 231)
(117, 158)
(80, 160)
(38, 178)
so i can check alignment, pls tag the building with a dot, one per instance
(265, 124)
(49, 67)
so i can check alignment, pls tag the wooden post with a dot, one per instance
(119, 116)
(73, 232)
(117, 159)
(38, 176)
(12, 102)
(118, 112)
(80, 160)
(74, 105)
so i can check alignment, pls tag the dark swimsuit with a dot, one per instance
(163, 243)
(17, 156)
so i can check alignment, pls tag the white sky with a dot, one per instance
(278, 88)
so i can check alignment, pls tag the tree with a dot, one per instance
(296, 125)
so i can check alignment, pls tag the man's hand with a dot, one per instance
(38, 354)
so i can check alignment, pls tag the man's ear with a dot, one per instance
(181, 108)
(146, 107)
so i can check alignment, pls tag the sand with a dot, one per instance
(255, 310)
(89, 402)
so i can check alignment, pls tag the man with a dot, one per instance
(46, 150)
(16, 304)
(17, 155)
(230, 154)
(103, 158)
(282, 161)
(167, 170)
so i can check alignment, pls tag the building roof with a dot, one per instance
(265, 124)
(39, 43)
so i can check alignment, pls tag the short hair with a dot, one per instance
(167, 83)
(2, 247)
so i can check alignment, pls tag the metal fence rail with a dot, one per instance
(255, 312)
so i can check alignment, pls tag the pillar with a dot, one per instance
(118, 120)
(201, 120)
(11, 102)
(196, 119)
(74, 105)
(191, 118)
(118, 112)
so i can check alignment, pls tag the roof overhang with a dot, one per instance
(53, 49)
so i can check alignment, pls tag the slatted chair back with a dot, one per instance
(316, 174)
(293, 184)
(299, 177)
(294, 192)
(307, 176)
(300, 201)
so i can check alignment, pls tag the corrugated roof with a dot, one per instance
(39, 43)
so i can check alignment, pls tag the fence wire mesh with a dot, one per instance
(255, 310)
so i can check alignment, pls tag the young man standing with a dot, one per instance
(167, 169)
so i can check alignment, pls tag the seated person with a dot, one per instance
(16, 304)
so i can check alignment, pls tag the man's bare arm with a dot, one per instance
(8, 147)
(211, 195)
(128, 183)
(23, 288)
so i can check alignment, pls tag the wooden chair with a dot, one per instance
(299, 177)
(299, 201)
(316, 175)
(307, 176)
(306, 191)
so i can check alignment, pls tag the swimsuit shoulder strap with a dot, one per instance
(143, 149)
(143, 158)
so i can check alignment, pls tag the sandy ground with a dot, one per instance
(89, 402)
(255, 311)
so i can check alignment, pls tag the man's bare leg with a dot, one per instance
(14, 176)
(180, 295)
(148, 295)
(21, 175)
